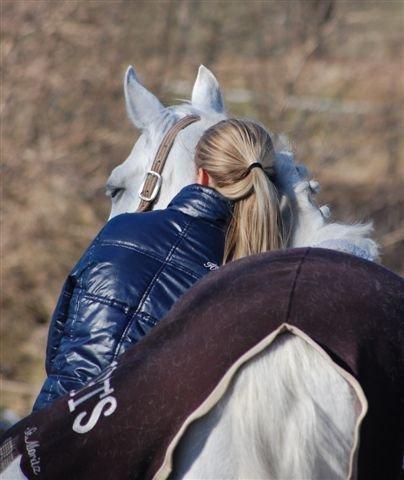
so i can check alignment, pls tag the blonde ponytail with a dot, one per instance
(229, 151)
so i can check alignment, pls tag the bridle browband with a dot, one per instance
(152, 182)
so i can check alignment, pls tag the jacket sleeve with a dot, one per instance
(61, 312)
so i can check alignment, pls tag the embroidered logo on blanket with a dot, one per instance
(84, 421)
(32, 447)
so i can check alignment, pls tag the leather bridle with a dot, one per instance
(152, 181)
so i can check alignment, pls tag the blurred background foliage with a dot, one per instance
(327, 73)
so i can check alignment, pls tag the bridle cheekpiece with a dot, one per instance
(151, 184)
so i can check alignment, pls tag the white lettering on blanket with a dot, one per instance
(104, 390)
(31, 446)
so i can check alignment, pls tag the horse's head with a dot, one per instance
(153, 120)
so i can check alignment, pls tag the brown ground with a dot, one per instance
(327, 73)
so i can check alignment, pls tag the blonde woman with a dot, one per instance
(140, 263)
(237, 159)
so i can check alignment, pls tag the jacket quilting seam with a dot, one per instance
(81, 288)
(150, 286)
(76, 309)
(109, 302)
(55, 348)
(62, 316)
(148, 254)
(120, 243)
(62, 376)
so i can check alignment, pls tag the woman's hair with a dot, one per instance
(226, 151)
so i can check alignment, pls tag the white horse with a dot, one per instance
(291, 413)
(284, 444)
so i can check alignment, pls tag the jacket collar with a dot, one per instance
(203, 202)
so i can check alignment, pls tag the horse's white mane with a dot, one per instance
(309, 224)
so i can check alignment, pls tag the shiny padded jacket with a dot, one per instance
(127, 280)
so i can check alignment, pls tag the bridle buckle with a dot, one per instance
(156, 188)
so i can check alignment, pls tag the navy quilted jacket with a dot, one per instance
(127, 280)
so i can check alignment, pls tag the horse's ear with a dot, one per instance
(141, 105)
(206, 92)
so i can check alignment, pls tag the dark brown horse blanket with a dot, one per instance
(125, 424)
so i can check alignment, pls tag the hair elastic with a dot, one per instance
(250, 167)
(253, 165)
